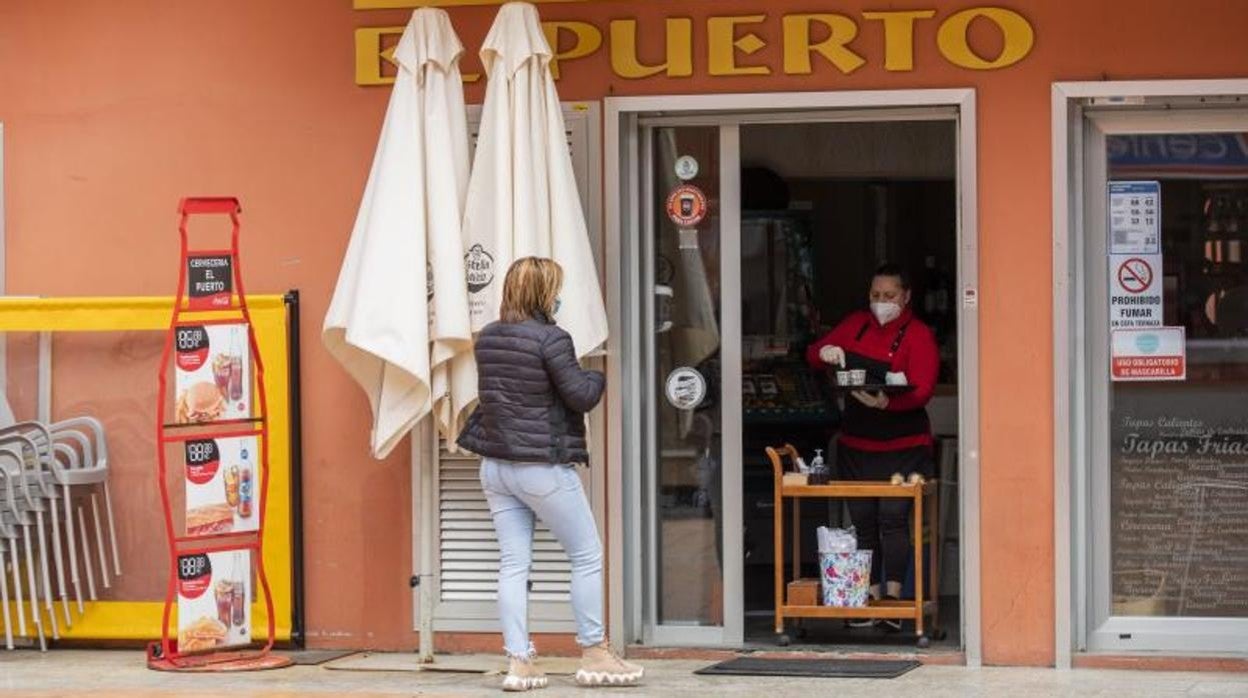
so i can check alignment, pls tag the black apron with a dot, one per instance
(879, 425)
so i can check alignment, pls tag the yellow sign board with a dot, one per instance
(728, 42)
(140, 619)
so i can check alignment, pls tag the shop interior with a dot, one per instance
(822, 205)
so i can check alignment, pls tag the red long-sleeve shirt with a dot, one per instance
(917, 357)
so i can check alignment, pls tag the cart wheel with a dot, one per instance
(924, 642)
(783, 640)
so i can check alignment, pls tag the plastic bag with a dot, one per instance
(837, 540)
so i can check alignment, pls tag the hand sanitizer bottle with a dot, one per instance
(818, 471)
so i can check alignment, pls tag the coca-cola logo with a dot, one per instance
(479, 266)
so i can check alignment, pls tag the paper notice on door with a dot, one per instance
(1136, 296)
(1134, 218)
(1153, 354)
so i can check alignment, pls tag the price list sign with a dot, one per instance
(1134, 218)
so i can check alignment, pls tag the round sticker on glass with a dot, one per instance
(686, 167)
(686, 388)
(686, 206)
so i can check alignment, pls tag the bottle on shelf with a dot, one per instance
(236, 366)
(245, 487)
(238, 606)
(818, 470)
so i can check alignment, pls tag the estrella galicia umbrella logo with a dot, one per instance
(479, 266)
(428, 281)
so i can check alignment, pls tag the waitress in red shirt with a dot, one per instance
(883, 437)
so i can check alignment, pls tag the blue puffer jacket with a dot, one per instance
(533, 395)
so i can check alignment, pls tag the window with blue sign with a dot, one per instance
(1177, 228)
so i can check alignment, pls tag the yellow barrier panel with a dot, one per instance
(140, 620)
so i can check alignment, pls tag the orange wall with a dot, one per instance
(114, 110)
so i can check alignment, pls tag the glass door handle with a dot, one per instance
(662, 308)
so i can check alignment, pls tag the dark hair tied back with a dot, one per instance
(890, 269)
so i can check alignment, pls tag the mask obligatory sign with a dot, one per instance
(727, 45)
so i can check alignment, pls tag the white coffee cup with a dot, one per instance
(842, 378)
(858, 376)
(897, 378)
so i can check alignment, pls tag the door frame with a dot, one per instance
(1070, 381)
(626, 385)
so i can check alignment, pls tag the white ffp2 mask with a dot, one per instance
(885, 312)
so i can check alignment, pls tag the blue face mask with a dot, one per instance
(554, 310)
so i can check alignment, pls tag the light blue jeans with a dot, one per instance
(516, 493)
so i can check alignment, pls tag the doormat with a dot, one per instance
(313, 657)
(822, 668)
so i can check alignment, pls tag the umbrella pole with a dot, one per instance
(428, 536)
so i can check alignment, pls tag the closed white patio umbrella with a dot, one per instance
(522, 197)
(399, 320)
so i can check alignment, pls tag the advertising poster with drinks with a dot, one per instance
(222, 495)
(213, 373)
(214, 600)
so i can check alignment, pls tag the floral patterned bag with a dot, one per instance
(845, 578)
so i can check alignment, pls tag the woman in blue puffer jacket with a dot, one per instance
(529, 430)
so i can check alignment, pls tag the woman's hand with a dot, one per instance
(877, 401)
(832, 355)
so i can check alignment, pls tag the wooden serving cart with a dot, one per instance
(917, 609)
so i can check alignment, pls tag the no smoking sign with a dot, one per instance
(1135, 296)
(1135, 275)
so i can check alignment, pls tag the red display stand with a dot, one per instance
(219, 411)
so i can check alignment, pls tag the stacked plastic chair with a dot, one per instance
(49, 475)
(25, 505)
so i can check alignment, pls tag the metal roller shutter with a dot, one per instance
(467, 546)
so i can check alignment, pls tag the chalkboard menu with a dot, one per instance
(1179, 500)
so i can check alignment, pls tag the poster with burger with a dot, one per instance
(214, 600)
(221, 492)
(213, 373)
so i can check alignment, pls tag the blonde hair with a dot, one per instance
(530, 288)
